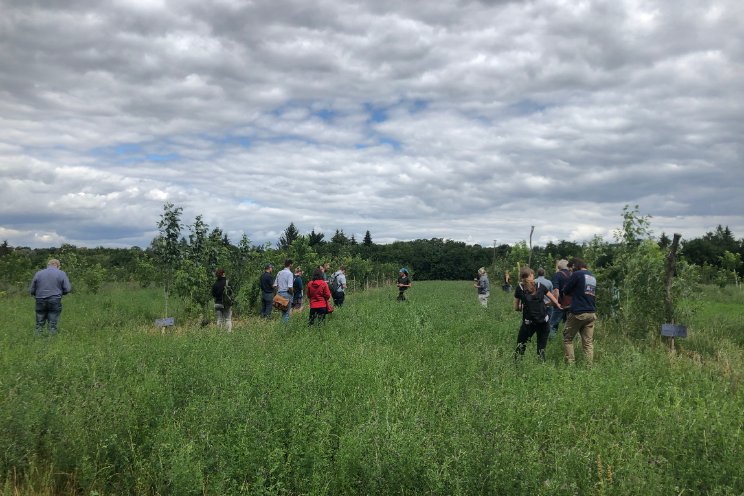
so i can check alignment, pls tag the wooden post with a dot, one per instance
(671, 265)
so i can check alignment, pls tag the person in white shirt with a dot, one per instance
(284, 284)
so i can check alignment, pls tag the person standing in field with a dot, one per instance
(222, 301)
(560, 278)
(318, 294)
(529, 298)
(48, 286)
(507, 282)
(267, 291)
(404, 282)
(582, 288)
(285, 286)
(484, 287)
(541, 279)
(338, 283)
(298, 295)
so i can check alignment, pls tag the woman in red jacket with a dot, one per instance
(318, 293)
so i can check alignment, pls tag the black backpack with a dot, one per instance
(334, 283)
(534, 306)
(227, 297)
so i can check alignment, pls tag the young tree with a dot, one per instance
(167, 246)
(367, 239)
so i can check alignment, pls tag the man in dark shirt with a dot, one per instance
(267, 291)
(582, 287)
(404, 282)
(560, 279)
(47, 287)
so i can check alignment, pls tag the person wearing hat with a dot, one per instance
(267, 291)
(404, 282)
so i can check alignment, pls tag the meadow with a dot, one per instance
(421, 397)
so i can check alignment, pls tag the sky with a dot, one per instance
(463, 120)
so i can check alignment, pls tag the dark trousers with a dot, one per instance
(402, 295)
(317, 313)
(48, 309)
(526, 331)
(338, 298)
(266, 304)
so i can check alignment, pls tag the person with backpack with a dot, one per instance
(338, 286)
(559, 280)
(529, 298)
(582, 287)
(222, 301)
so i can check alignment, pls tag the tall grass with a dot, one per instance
(385, 397)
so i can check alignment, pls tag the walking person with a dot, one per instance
(582, 288)
(318, 294)
(529, 298)
(404, 282)
(559, 280)
(338, 286)
(284, 284)
(267, 291)
(298, 295)
(484, 287)
(48, 286)
(222, 301)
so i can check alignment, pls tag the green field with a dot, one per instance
(385, 398)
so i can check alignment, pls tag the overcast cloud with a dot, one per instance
(466, 120)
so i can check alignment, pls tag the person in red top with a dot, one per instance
(318, 293)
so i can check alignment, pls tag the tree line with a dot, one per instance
(182, 257)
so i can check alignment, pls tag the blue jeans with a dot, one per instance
(556, 316)
(285, 314)
(48, 309)
(266, 300)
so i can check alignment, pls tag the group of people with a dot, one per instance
(570, 297)
(286, 292)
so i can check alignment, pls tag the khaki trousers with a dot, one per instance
(582, 324)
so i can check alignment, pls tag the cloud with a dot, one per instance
(468, 120)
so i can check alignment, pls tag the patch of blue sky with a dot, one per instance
(376, 113)
(326, 115)
(161, 157)
(230, 139)
(526, 107)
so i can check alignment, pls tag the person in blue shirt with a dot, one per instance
(48, 287)
(582, 288)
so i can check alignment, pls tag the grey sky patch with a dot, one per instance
(465, 120)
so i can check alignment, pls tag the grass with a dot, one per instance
(386, 397)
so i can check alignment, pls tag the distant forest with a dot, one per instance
(185, 248)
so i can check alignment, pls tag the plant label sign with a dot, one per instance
(673, 331)
(166, 322)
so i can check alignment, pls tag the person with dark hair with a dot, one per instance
(559, 280)
(529, 298)
(284, 284)
(48, 286)
(267, 291)
(318, 293)
(222, 301)
(298, 295)
(582, 287)
(404, 282)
